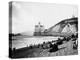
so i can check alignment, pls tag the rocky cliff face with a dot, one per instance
(65, 27)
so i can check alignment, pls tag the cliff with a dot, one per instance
(64, 28)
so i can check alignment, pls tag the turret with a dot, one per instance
(39, 29)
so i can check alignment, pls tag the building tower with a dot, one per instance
(39, 29)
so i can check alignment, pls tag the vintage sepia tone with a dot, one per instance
(42, 29)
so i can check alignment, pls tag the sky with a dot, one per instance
(25, 15)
